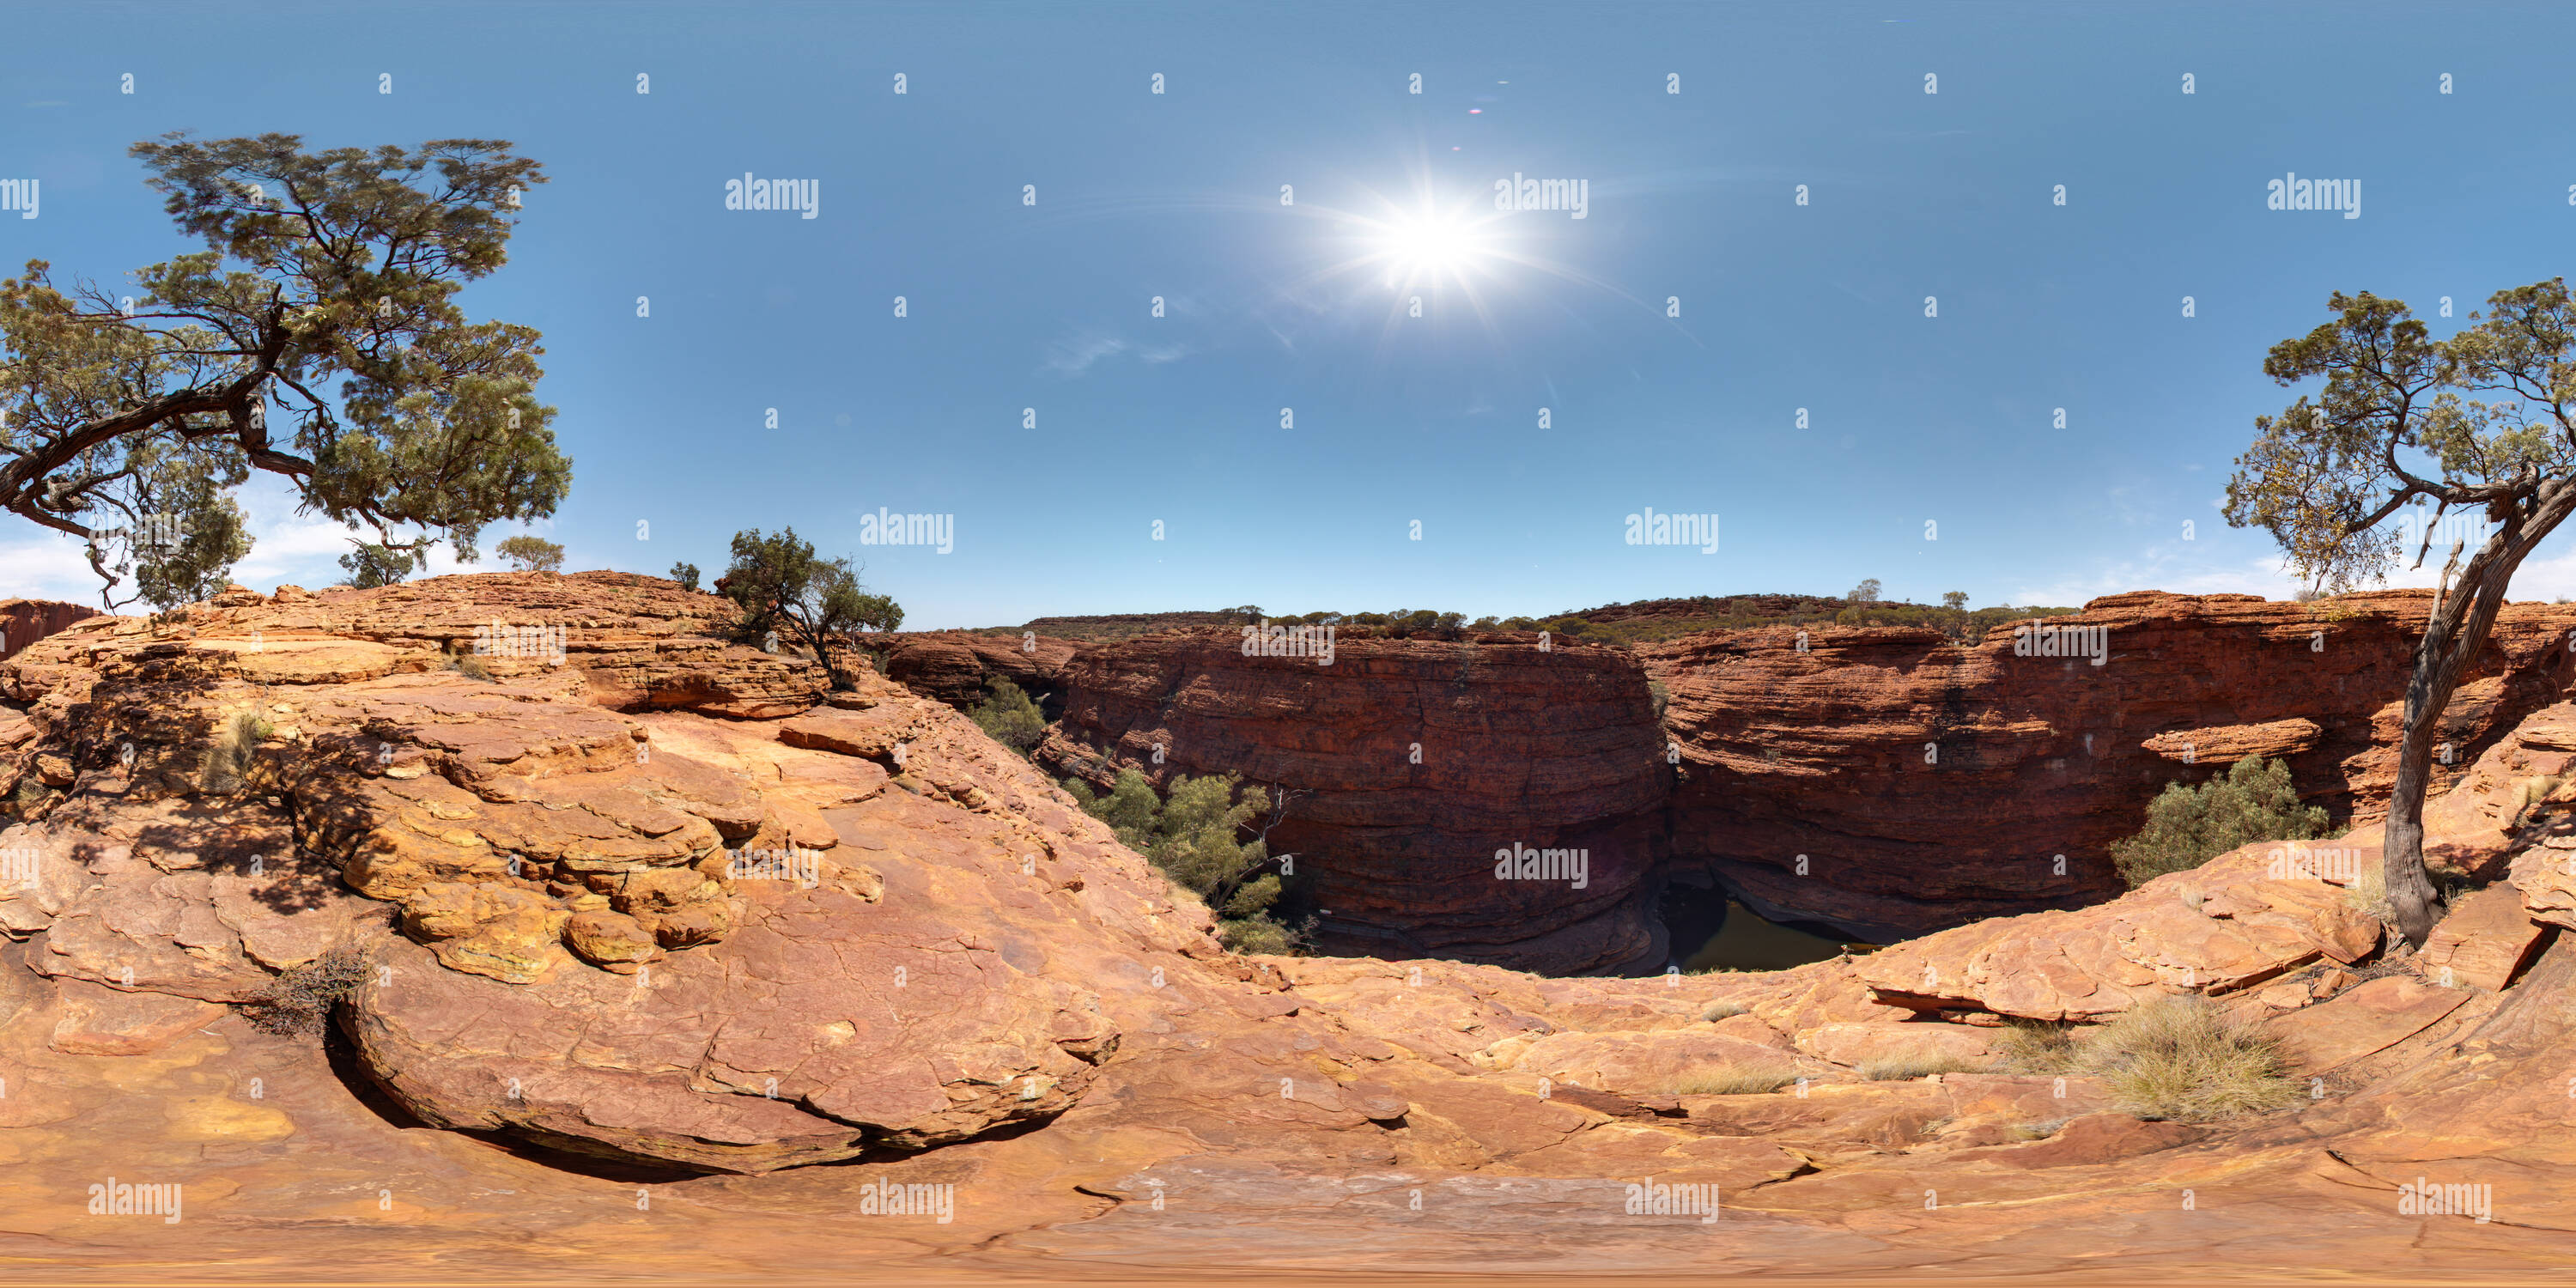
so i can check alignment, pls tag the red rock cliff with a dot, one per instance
(1422, 758)
(1928, 785)
(25, 621)
(1925, 784)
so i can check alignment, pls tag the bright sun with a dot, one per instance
(1430, 244)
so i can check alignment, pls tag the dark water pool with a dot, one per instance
(1712, 932)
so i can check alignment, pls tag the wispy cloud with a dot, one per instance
(1076, 354)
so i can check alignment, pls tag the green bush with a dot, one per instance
(1009, 716)
(2187, 826)
(531, 554)
(1194, 837)
(686, 574)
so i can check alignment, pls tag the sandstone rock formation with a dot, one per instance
(1928, 784)
(931, 968)
(954, 666)
(25, 621)
(1879, 780)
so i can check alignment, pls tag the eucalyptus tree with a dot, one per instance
(317, 337)
(2482, 424)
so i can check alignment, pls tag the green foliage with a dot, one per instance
(1194, 836)
(2186, 826)
(686, 574)
(1955, 600)
(370, 566)
(1864, 593)
(782, 586)
(531, 554)
(469, 666)
(1009, 716)
(326, 290)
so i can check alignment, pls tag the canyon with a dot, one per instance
(595, 1032)
(1882, 782)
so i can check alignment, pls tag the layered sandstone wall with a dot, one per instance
(1414, 761)
(25, 621)
(1928, 785)
(1883, 781)
(956, 666)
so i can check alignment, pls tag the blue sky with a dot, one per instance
(1946, 420)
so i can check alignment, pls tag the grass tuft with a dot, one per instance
(2037, 1046)
(1907, 1066)
(2182, 1058)
(1737, 1080)
(1716, 1011)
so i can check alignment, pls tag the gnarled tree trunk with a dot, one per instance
(2463, 616)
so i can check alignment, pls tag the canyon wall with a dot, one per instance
(1926, 785)
(1880, 781)
(25, 621)
(1415, 760)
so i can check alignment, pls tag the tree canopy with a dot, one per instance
(2406, 430)
(327, 293)
(783, 587)
(531, 553)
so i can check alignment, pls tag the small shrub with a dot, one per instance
(1662, 697)
(1716, 1011)
(2040, 1130)
(2182, 1058)
(469, 666)
(1737, 1080)
(1906, 1067)
(531, 554)
(2186, 827)
(228, 761)
(686, 574)
(2036, 1046)
(2368, 893)
(1194, 836)
(1009, 717)
(299, 1001)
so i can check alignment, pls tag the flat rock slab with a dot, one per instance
(2363, 1020)
(97, 1020)
(2486, 938)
